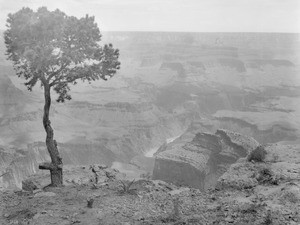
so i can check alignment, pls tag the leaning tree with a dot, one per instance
(55, 50)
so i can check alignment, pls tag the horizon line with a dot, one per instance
(152, 31)
(192, 32)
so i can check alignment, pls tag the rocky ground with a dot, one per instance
(250, 192)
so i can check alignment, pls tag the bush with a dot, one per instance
(266, 176)
(126, 187)
(257, 155)
(146, 176)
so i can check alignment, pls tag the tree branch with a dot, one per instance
(43, 79)
(48, 166)
(69, 79)
(56, 73)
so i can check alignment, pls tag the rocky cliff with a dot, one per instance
(17, 164)
(199, 162)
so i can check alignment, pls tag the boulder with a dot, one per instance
(30, 185)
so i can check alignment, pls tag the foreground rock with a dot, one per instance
(272, 198)
(198, 163)
(270, 189)
(282, 164)
(75, 175)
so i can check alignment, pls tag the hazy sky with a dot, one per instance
(176, 15)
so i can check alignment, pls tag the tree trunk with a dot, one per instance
(55, 166)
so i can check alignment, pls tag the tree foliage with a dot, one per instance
(57, 50)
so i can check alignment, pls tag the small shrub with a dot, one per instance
(95, 174)
(266, 176)
(126, 187)
(146, 176)
(258, 154)
(90, 202)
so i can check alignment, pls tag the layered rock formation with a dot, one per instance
(199, 162)
(246, 83)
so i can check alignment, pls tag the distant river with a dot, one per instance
(131, 171)
(152, 151)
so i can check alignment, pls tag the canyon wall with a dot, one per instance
(201, 161)
(168, 84)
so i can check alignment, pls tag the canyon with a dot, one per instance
(197, 87)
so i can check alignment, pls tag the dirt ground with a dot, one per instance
(249, 193)
(145, 202)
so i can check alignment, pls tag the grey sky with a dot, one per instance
(176, 15)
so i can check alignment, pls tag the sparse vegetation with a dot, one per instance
(257, 155)
(90, 202)
(266, 176)
(95, 174)
(152, 203)
(126, 187)
(146, 176)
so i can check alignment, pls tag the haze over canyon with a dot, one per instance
(175, 97)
